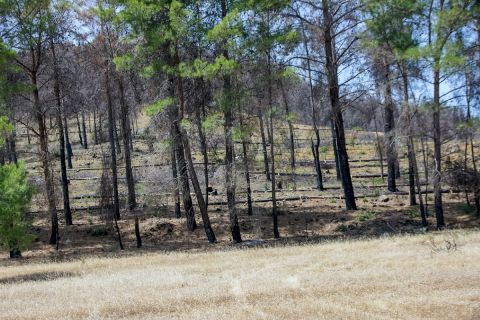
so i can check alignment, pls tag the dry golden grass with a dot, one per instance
(389, 278)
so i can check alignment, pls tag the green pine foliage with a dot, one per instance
(15, 195)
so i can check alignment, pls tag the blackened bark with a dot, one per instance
(247, 171)
(176, 192)
(229, 168)
(68, 145)
(15, 254)
(203, 150)
(113, 153)
(316, 144)
(338, 171)
(80, 137)
(336, 110)
(423, 212)
(389, 126)
(175, 119)
(84, 131)
(115, 132)
(138, 237)
(28, 135)
(44, 158)
(95, 132)
(198, 191)
(229, 151)
(476, 191)
(264, 145)
(437, 144)
(132, 201)
(61, 140)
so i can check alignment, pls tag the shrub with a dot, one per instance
(15, 194)
(366, 215)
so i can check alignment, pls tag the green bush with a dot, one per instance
(366, 215)
(15, 194)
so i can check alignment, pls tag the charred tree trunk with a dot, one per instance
(338, 171)
(44, 158)
(84, 131)
(132, 201)
(229, 151)
(437, 144)
(176, 116)
(138, 237)
(247, 171)
(176, 192)
(68, 145)
(79, 128)
(198, 191)
(264, 145)
(61, 140)
(425, 168)
(95, 132)
(337, 110)
(410, 146)
(204, 151)
(389, 127)
(115, 133)
(379, 145)
(113, 152)
(28, 135)
(229, 168)
(316, 144)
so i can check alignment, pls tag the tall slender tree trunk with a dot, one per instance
(425, 168)
(61, 140)
(84, 131)
(476, 190)
(95, 132)
(229, 149)
(379, 145)
(423, 212)
(290, 127)
(338, 171)
(115, 133)
(113, 152)
(437, 144)
(412, 161)
(410, 145)
(198, 191)
(247, 170)
(264, 145)
(132, 201)
(68, 145)
(229, 168)
(389, 127)
(204, 150)
(176, 116)
(176, 193)
(337, 110)
(79, 128)
(28, 134)
(44, 158)
(316, 144)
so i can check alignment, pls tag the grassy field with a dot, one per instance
(431, 276)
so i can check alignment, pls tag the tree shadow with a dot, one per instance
(39, 276)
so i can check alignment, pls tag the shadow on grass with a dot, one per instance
(40, 276)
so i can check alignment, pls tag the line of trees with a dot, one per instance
(100, 63)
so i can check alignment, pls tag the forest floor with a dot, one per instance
(301, 221)
(424, 276)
